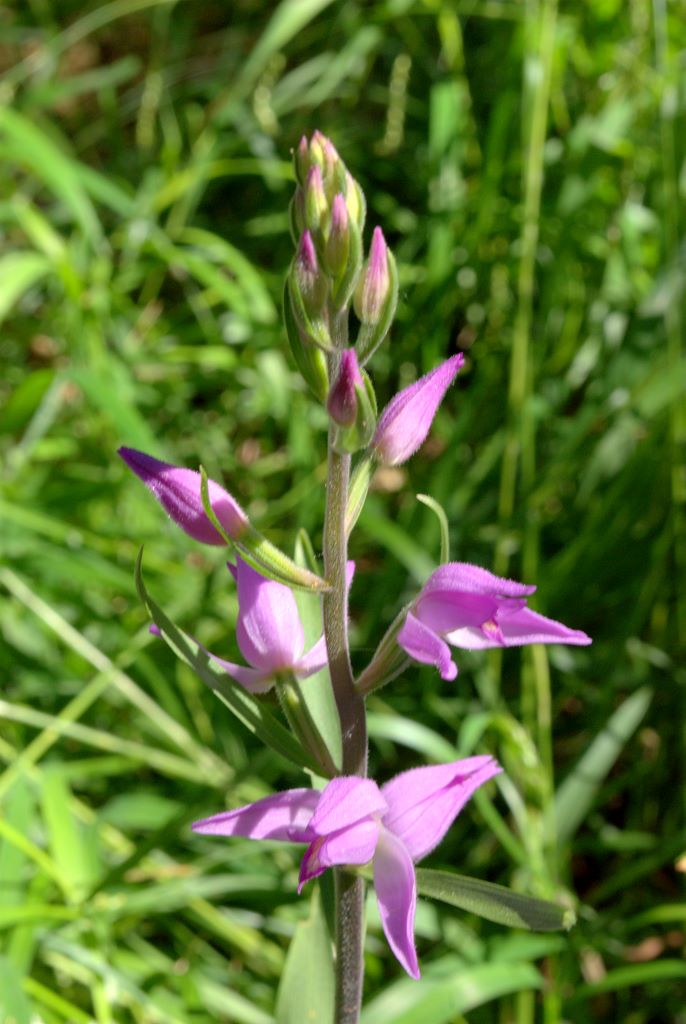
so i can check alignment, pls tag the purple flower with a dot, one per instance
(178, 491)
(352, 821)
(471, 608)
(407, 418)
(269, 633)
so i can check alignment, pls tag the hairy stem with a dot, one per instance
(351, 711)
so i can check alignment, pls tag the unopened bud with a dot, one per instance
(310, 359)
(310, 281)
(342, 404)
(373, 286)
(354, 197)
(376, 297)
(352, 406)
(338, 242)
(301, 160)
(316, 206)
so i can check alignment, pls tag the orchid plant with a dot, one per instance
(346, 821)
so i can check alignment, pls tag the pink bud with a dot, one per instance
(342, 403)
(311, 283)
(315, 198)
(374, 284)
(406, 420)
(178, 491)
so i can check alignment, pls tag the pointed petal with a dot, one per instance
(352, 845)
(422, 644)
(472, 579)
(345, 801)
(269, 630)
(396, 893)
(424, 802)
(251, 678)
(313, 660)
(524, 626)
(178, 491)
(407, 418)
(281, 816)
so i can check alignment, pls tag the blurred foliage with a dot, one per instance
(526, 161)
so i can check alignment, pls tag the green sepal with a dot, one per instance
(314, 330)
(370, 336)
(494, 902)
(254, 715)
(263, 556)
(439, 512)
(309, 359)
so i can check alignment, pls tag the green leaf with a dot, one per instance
(253, 714)
(578, 791)
(307, 988)
(494, 902)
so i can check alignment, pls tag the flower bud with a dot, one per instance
(406, 420)
(301, 160)
(338, 243)
(178, 491)
(352, 406)
(342, 403)
(316, 206)
(354, 197)
(373, 287)
(308, 276)
(376, 297)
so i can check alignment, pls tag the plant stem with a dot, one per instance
(351, 711)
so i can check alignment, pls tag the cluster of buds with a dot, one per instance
(329, 274)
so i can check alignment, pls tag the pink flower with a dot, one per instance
(178, 491)
(471, 608)
(269, 633)
(406, 420)
(352, 821)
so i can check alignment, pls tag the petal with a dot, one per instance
(524, 626)
(352, 845)
(472, 579)
(422, 644)
(424, 802)
(269, 630)
(281, 816)
(178, 491)
(407, 419)
(345, 801)
(313, 660)
(252, 679)
(396, 893)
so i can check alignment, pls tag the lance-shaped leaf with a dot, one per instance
(248, 709)
(494, 902)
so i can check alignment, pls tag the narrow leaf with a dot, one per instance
(494, 902)
(307, 988)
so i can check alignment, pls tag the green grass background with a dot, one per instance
(526, 161)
